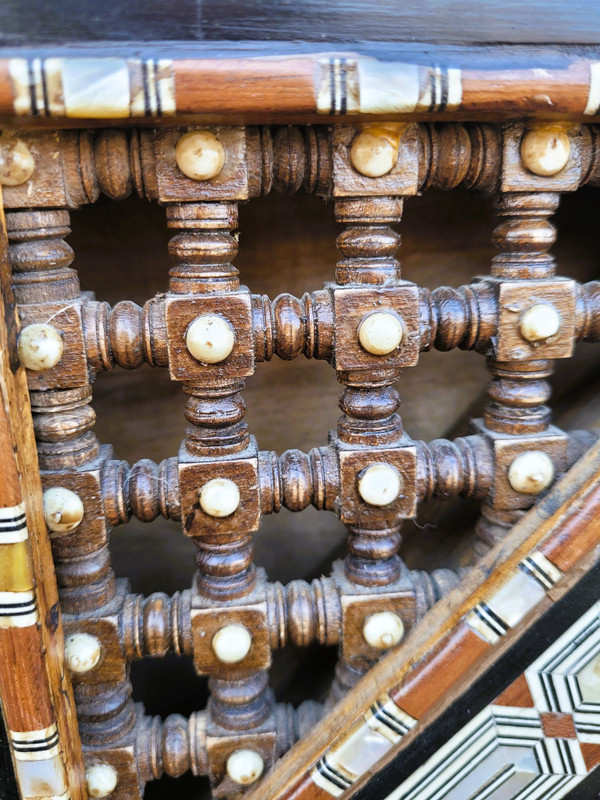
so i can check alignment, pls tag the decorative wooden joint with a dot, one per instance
(541, 157)
(525, 465)
(356, 151)
(304, 612)
(232, 640)
(587, 312)
(536, 318)
(376, 328)
(465, 317)
(365, 636)
(104, 625)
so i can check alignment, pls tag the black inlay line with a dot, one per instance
(554, 701)
(32, 100)
(331, 778)
(48, 738)
(432, 90)
(332, 85)
(343, 90)
(528, 570)
(156, 89)
(18, 518)
(535, 567)
(17, 613)
(147, 108)
(388, 722)
(497, 782)
(495, 617)
(334, 771)
(488, 621)
(19, 604)
(444, 98)
(44, 88)
(20, 526)
(35, 748)
(526, 649)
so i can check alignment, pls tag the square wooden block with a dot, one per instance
(352, 305)
(207, 621)
(517, 178)
(175, 187)
(514, 298)
(353, 509)
(402, 179)
(181, 311)
(193, 475)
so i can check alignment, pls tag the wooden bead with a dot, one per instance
(380, 333)
(232, 644)
(200, 155)
(82, 652)
(245, 766)
(210, 338)
(374, 151)
(40, 347)
(539, 322)
(383, 629)
(545, 150)
(220, 497)
(63, 509)
(16, 162)
(379, 484)
(101, 780)
(531, 472)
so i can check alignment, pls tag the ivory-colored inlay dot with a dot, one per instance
(101, 780)
(82, 652)
(372, 155)
(531, 472)
(210, 338)
(245, 766)
(16, 162)
(379, 484)
(383, 629)
(40, 347)
(232, 643)
(380, 333)
(200, 155)
(545, 151)
(220, 497)
(63, 509)
(539, 322)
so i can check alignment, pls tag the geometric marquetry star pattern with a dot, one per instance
(538, 740)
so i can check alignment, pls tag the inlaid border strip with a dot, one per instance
(113, 87)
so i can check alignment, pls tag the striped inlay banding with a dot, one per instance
(92, 88)
(13, 524)
(538, 567)
(17, 609)
(35, 745)
(386, 718)
(486, 623)
(329, 779)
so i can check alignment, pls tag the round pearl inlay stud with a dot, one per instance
(232, 643)
(383, 629)
(40, 347)
(63, 509)
(380, 333)
(16, 162)
(531, 472)
(220, 497)
(372, 155)
(82, 652)
(379, 484)
(545, 151)
(200, 155)
(210, 338)
(101, 780)
(539, 322)
(245, 766)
